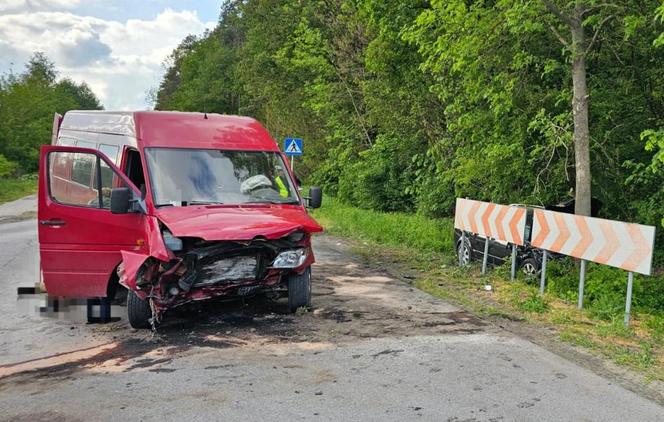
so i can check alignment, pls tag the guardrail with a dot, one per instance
(615, 243)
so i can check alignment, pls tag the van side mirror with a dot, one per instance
(120, 200)
(315, 197)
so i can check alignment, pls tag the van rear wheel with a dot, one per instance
(299, 290)
(138, 311)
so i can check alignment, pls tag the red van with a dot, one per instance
(176, 207)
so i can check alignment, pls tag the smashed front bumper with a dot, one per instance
(204, 270)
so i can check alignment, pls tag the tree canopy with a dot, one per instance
(406, 104)
(28, 102)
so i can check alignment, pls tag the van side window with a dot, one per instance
(110, 151)
(109, 180)
(86, 144)
(81, 171)
(83, 188)
(66, 142)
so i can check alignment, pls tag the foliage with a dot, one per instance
(28, 102)
(6, 167)
(605, 288)
(406, 105)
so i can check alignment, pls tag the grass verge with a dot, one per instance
(422, 250)
(12, 189)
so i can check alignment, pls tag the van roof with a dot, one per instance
(175, 129)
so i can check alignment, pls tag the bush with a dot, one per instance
(6, 167)
(534, 303)
(605, 288)
(379, 180)
(562, 279)
(436, 197)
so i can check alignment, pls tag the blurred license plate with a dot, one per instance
(245, 290)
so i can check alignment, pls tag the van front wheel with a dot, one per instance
(138, 311)
(299, 290)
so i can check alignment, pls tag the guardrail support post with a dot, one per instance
(543, 275)
(513, 273)
(628, 302)
(486, 255)
(582, 282)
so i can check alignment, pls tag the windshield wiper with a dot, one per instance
(168, 204)
(267, 201)
(201, 203)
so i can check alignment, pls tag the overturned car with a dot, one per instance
(176, 207)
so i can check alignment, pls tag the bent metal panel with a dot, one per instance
(501, 222)
(623, 245)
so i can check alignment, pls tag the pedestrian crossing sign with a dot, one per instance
(293, 146)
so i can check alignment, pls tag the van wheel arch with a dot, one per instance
(115, 290)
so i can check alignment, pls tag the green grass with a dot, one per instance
(11, 189)
(422, 247)
(392, 229)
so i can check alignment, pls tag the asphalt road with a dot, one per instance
(373, 348)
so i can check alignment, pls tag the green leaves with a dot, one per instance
(406, 104)
(28, 102)
(6, 167)
(654, 140)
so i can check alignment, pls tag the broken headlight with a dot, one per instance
(290, 259)
(295, 236)
(173, 243)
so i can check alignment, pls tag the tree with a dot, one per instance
(27, 104)
(407, 104)
(579, 48)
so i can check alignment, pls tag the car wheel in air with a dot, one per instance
(299, 290)
(138, 311)
(531, 268)
(464, 253)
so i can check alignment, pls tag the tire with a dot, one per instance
(138, 311)
(464, 253)
(531, 268)
(299, 290)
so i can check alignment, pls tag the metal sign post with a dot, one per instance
(628, 302)
(463, 248)
(582, 282)
(543, 275)
(513, 272)
(293, 147)
(486, 255)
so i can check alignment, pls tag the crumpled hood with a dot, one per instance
(222, 222)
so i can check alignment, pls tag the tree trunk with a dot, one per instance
(580, 111)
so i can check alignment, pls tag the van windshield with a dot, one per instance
(181, 177)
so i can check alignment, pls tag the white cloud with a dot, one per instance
(119, 60)
(22, 6)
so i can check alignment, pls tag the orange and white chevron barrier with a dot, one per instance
(623, 245)
(501, 222)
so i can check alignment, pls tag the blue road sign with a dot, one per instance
(293, 146)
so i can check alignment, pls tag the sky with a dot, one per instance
(116, 46)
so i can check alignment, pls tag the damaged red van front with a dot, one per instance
(191, 207)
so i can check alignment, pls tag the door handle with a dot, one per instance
(52, 222)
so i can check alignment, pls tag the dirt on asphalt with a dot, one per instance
(351, 302)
